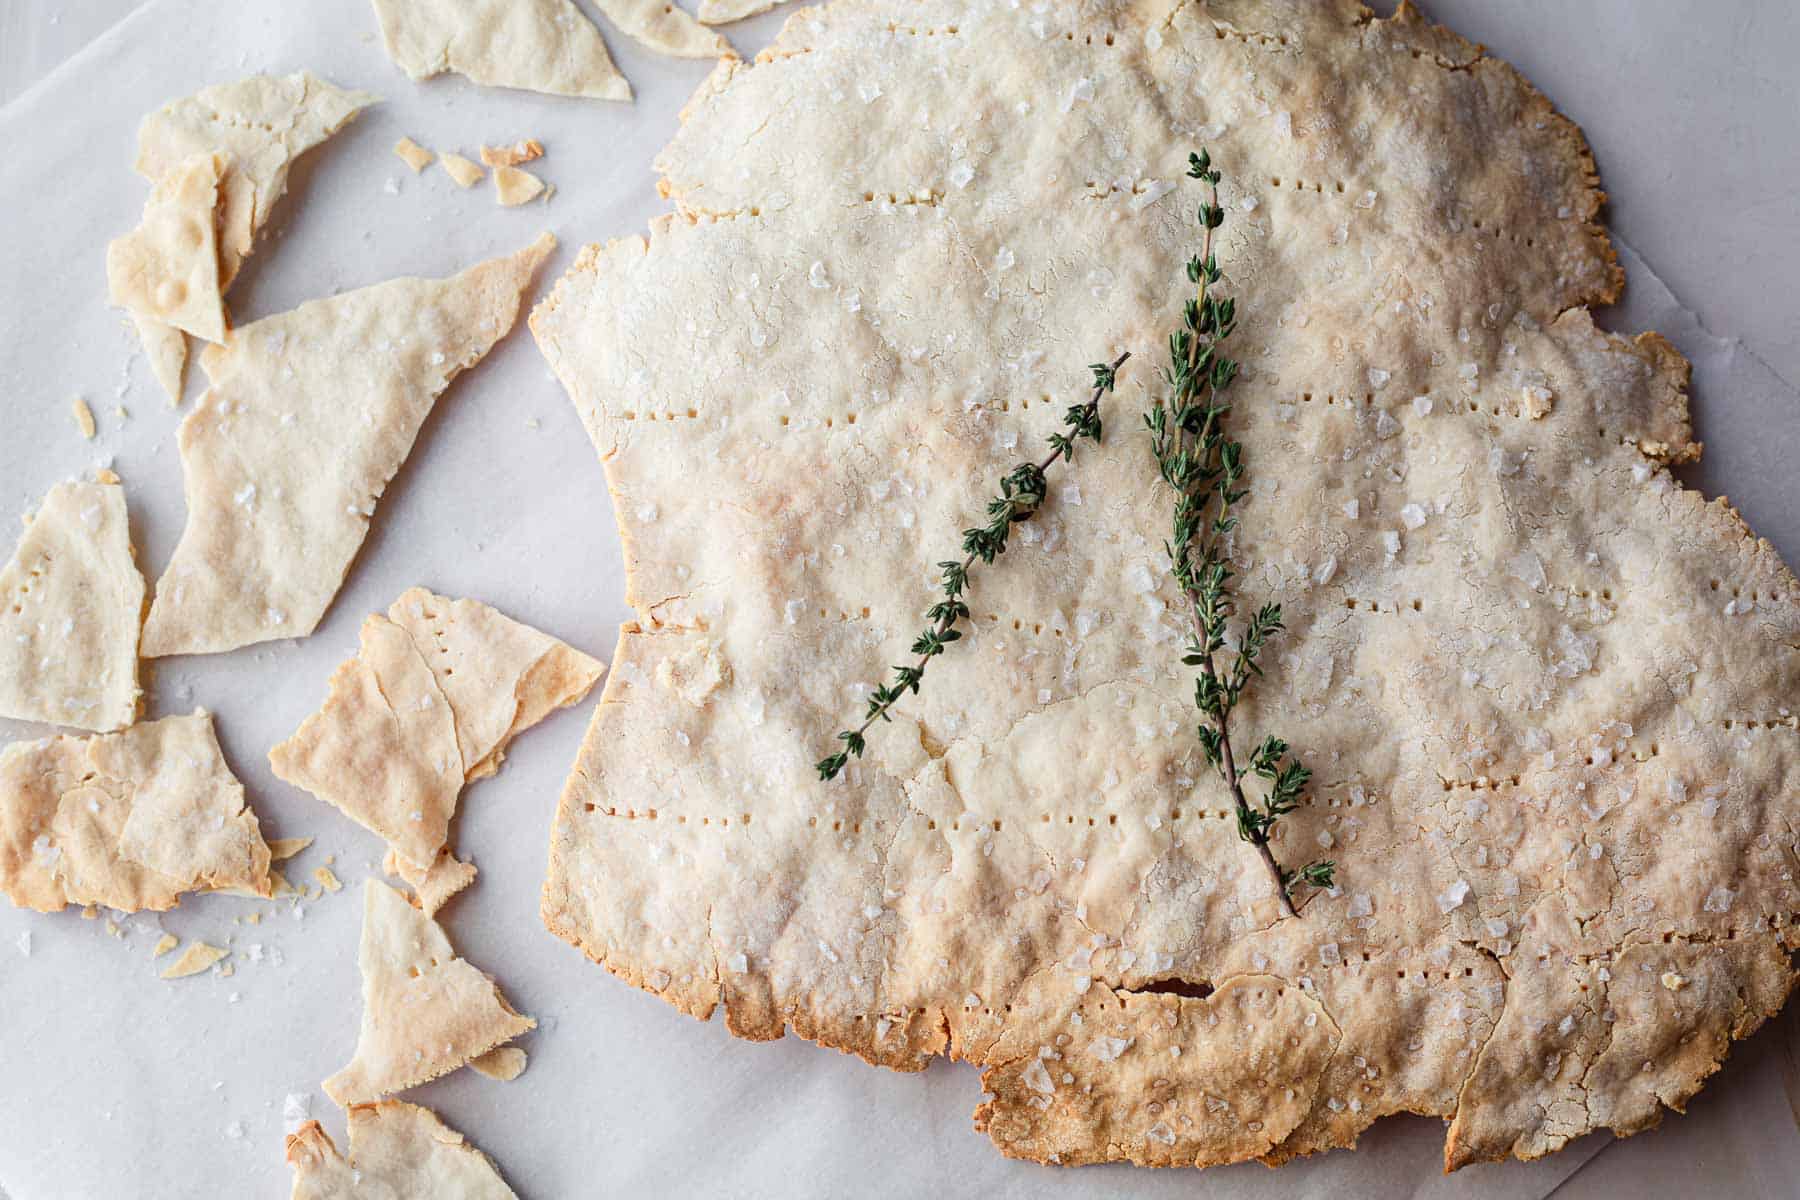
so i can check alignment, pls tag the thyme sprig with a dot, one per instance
(1205, 470)
(1022, 490)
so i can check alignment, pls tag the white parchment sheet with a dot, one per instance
(115, 1083)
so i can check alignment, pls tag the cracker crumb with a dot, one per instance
(326, 879)
(164, 944)
(514, 187)
(106, 475)
(413, 155)
(84, 417)
(504, 1063)
(1674, 982)
(523, 151)
(196, 958)
(467, 174)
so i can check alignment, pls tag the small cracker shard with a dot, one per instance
(130, 820)
(413, 155)
(540, 45)
(396, 1149)
(164, 944)
(665, 28)
(167, 269)
(426, 1012)
(520, 152)
(327, 879)
(514, 187)
(436, 692)
(84, 417)
(433, 886)
(282, 849)
(71, 601)
(166, 349)
(196, 958)
(465, 172)
(280, 486)
(505, 1063)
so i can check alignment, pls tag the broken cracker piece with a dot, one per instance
(166, 348)
(71, 602)
(426, 1012)
(280, 482)
(514, 187)
(167, 269)
(523, 151)
(539, 45)
(326, 879)
(413, 155)
(665, 28)
(196, 958)
(130, 820)
(505, 1063)
(436, 692)
(84, 417)
(282, 849)
(432, 886)
(397, 1150)
(164, 944)
(466, 173)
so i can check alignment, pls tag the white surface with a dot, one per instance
(114, 1083)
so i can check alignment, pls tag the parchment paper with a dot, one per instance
(116, 1083)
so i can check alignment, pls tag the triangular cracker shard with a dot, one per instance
(71, 601)
(308, 416)
(397, 1150)
(540, 45)
(426, 1012)
(130, 820)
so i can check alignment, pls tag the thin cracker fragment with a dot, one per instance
(282, 849)
(398, 1151)
(437, 691)
(513, 187)
(665, 28)
(71, 604)
(413, 155)
(166, 349)
(432, 886)
(523, 151)
(539, 45)
(130, 820)
(309, 415)
(196, 958)
(164, 944)
(506, 1063)
(84, 417)
(167, 269)
(465, 172)
(256, 128)
(426, 1012)
(1548, 691)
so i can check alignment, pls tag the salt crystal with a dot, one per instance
(25, 943)
(296, 1110)
(1719, 900)
(1329, 955)
(1107, 1049)
(1412, 516)
(1360, 906)
(1385, 425)
(817, 276)
(1453, 897)
(1422, 405)
(1366, 200)
(792, 611)
(1378, 378)
(1390, 541)
(961, 174)
(1081, 90)
(1037, 1077)
(1352, 508)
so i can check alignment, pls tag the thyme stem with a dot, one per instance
(1021, 492)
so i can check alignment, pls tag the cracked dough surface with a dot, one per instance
(130, 820)
(1545, 690)
(538, 45)
(71, 605)
(426, 1012)
(308, 415)
(397, 1150)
